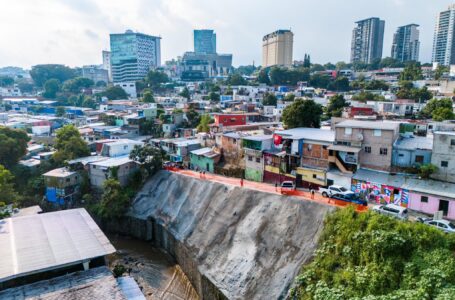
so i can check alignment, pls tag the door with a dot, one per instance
(208, 167)
(444, 206)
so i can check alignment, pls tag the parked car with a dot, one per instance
(287, 186)
(443, 225)
(350, 197)
(335, 189)
(392, 210)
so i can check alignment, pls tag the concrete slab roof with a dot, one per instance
(431, 187)
(38, 243)
(369, 125)
(112, 161)
(60, 172)
(416, 142)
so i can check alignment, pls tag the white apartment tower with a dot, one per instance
(107, 63)
(443, 43)
(277, 49)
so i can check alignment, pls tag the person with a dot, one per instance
(203, 175)
(241, 182)
(276, 186)
(312, 193)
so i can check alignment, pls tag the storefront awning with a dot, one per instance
(342, 148)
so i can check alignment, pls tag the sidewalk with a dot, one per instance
(264, 187)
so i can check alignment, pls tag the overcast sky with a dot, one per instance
(73, 32)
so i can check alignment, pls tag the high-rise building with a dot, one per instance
(107, 63)
(367, 40)
(95, 73)
(133, 55)
(406, 43)
(204, 41)
(444, 37)
(277, 48)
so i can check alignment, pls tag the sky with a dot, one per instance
(74, 32)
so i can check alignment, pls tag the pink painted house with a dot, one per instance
(430, 196)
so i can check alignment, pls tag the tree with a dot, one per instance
(340, 84)
(269, 99)
(307, 61)
(42, 73)
(60, 111)
(330, 66)
(156, 78)
(336, 105)
(411, 72)
(115, 93)
(263, 77)
(193, 118)
(13, 145)
(114, 201)
(289, 98)
(434, 105)
(204, 124)
(320, 81)
(341, 65)
(149, 158)
(185, 93)
(236, 79)
(317, 68)
(442, 113)
(7, 195)
(101, 83)
(285, 76)
(69, 144)
(215, 97)
(75, 85)
(425, 171)
(440, 70)
(245, 70)
(364, 96)
(25, 87)
(6, 81)
(89, 102)
(51, 88)
(302, 113)
(148, 97)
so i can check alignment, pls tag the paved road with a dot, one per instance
(264, 187)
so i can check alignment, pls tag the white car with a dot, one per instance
(443, 225)
(335, 190)
(392, 210)
(287, 186)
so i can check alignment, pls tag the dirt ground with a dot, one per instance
(155, 272)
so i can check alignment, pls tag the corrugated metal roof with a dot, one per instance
(130, 288)
(416, 142)
(313, 134)
(112, 162)
(431, 187)
(97, 283)
(32, 244)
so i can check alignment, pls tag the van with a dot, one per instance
(392, 210)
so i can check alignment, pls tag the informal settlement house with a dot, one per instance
(42, 246)
(204, 159)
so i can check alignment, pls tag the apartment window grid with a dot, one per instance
(367, 149)
(383, 151)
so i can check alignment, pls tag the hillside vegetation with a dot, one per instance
(370, 256)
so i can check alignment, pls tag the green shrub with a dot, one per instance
(371, 256)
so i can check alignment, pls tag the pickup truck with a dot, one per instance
(351, 198)
(334, 190)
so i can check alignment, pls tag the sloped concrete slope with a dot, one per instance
(249, 244)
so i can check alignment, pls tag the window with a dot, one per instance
(250, 158)
(258, 159)
(383, 151)
(377, 132)
(419, 159)
(314, 176)
(452, 142)
(67, 180)
(424, 199)
(444, 164)
(324, 147)
(401, 155)
(348, 131)
(367, 149)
